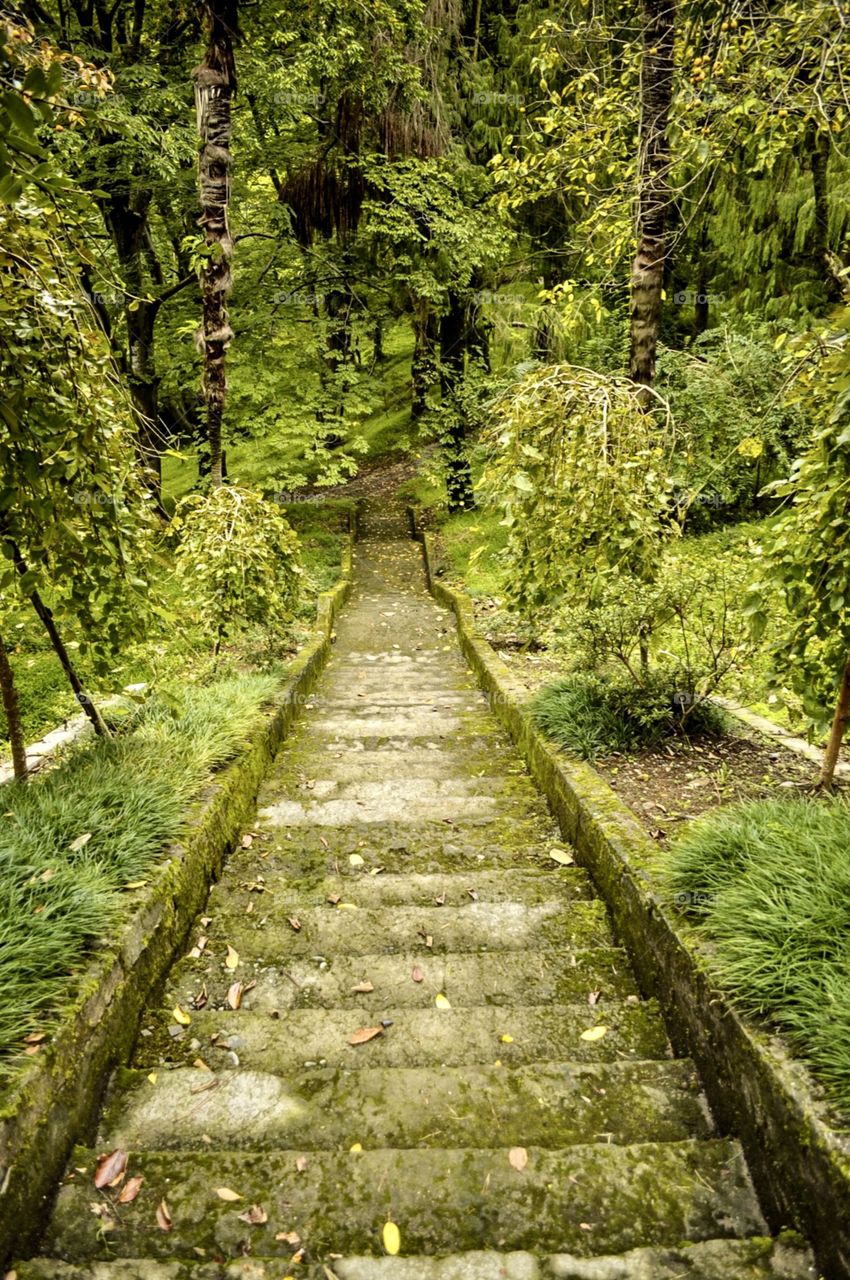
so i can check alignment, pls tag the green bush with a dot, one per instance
(769, 882)
(593, 714)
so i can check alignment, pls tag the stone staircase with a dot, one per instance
(516, 1111)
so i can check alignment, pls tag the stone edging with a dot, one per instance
(799, 1163)
(55, 1100)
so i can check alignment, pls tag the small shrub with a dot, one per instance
(769, 882)
(594, 714)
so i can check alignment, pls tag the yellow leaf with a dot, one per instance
(232, 958)
(346, 906)
(594, 1033)
(357, 1146)
(506, 1039)
(355, 860)
(224, 1193)
(152, 1078)
(391, 1238)
(181, 1016)
(442, 1002)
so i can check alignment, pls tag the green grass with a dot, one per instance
(593, 714)
(769, 882)
(71, 842)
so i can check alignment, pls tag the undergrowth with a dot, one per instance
(769, 882)
(593, 714)
(72, 842)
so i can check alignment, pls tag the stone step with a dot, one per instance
(758, 1258)
(345, 929)
(494, 978)
(546, 1105)
(453, 1037)
(248, 876)
(317, 787)
(587, 1200)
(412, 762)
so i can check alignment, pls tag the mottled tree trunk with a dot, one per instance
(424, 366)
(653, 188)
(215, 85)
(839, 728)
(9, 695)
(819, 143)
(453, 343)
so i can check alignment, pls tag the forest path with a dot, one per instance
(519, 1116)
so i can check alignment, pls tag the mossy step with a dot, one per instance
(417, 1037)
(397, 847)
(394, 890)
(558, 976)
(585, 1200)
(418, 762)
(547, 1105)
(758, 1258)
(402, 788)
(268, 935)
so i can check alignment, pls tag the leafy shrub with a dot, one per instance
(594, 714)
(580, 472)
(770, 883)
(237, 559)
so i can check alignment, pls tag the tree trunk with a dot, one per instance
(826, 263)
(653, 189)
(13, 715)
(836, 733)
(453, 341)
(423, 370)
(215, 86)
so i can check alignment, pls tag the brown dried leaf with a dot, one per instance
(301, 1164)
(289, 1237)
(163, 1217)
(333, 899)
(418, 975)
(518, 1157)
(295, 922)
(473, 893)
(234, 995)
(365, 1034)
(130, 1190)
(232, 958)
(255, 1216)
(110, 1167)
(247, 840)
(35, 1037)
(440, 900)
(593, 997)
(363, 988)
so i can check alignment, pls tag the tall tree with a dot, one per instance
(656, 90)
(215, 86)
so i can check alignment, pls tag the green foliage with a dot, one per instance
(71, 842)
(593, 714)
(581, 473)
(238, 560)
(807, 547)
(738, 431)
(769, 882)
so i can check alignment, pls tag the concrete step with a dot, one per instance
(417, 1037)
(266, 934)
(561, 976)
(411, 762)
(546, 1105)
(587, 1200)
(754, 1259)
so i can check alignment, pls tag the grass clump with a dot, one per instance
(769, 882)
(71, 842)
(594, 714)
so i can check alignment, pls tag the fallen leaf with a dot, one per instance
(440, 900)
(130, 1190)
(301, 1164)
(333, 899)
(234, 995)
(442, 1002)
(363, 988)
(506, 1039)
(562, 858)
(418, 975)
(35, 1037)
(80, 843)
(201, 998)
(232, 957)
(323, 842)
(392, 1238)
(255, 1216)
(518, 1157)
(247, 840)
(346, 906)
(110, 1167)
(163, 1217)
(201, 1065)
(355, 860)
(365, 1034)
(594, 1033)
(180, 1016)
(473, 893)
(295, 922)
(593, 997)
(152, 1078)
(133, 884)
(224, 1193)
(355, 1148)
(289, 1237)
